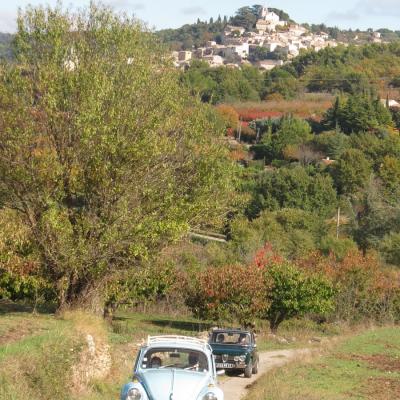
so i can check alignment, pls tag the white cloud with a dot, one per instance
(195, 10)
(367, 8)
(383, 8)
(127, 4)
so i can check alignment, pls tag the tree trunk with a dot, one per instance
(275, 321)
(86, 296)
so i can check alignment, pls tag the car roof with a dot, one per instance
(181, 342)
(229, 331)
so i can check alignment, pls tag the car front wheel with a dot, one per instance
(248, 370)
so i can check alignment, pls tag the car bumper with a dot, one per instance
(230, 365)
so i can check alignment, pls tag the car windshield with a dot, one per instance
(187, 359)
(240, 338)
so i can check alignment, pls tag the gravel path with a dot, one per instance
(235, 388)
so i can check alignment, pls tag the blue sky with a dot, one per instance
(174, 13)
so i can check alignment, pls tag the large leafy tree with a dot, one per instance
(246, 17)
(351, 172)
(103, 155)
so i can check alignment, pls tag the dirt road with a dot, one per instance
(235, 388)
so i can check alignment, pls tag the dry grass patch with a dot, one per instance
(382, 389)
(309, 105)
(364, 366)
(376, 361)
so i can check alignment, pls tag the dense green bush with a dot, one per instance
(351, 172)
(390, 248)
(339, 248)
(293, 188)
(293, 293)
(358, 113)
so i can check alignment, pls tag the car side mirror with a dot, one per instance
(255, 345)
(220, 372)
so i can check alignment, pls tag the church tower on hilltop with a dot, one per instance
(263, 12)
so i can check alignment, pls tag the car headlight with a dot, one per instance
(240, 358)
(133, 394)
(210, 396)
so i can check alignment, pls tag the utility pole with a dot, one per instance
(337, 223)
(240, 129)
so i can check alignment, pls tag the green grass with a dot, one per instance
(366, 366)
(37, 365)
(36, 357)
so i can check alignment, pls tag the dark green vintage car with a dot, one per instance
(235, 350)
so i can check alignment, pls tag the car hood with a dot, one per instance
(183, 385)
(234, 350)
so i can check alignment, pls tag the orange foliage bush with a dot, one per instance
(229, 115)
(364, 290)
(232, 292)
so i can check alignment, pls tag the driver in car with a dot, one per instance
(193, 361)
(197, 362)
(155, 362)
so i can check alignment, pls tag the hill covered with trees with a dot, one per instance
(196, 35)
(118, 168)
(353, 69)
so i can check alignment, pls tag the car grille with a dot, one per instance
(219, 359)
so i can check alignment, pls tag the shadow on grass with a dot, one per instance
(8, 307)
(191, 326)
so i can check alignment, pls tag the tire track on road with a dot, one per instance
(235, 388)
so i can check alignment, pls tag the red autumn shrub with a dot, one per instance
(364, 290)
(229, 293)
(250, 115)
(267, 256)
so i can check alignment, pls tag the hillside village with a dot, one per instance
(279, 40)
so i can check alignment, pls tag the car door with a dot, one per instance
(254, 348)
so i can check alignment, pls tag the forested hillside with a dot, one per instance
(353, 69)
(127, 189)
(137, 199)
(196, 35)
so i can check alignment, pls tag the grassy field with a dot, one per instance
(38, 354)
(364, 367)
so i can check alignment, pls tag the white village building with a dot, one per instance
(268, 21)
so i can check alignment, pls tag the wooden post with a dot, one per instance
(337, 223)
(240, 129)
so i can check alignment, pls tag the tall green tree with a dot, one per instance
(246, 17)
(351, 172)
(359, 113)
(103, 155)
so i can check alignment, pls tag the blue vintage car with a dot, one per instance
(173, 368)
